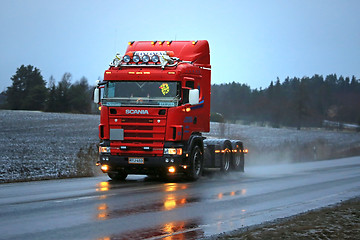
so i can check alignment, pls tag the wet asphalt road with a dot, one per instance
(141, 208)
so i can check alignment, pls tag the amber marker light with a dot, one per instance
(186, 109)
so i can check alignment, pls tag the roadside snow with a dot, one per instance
(37, 145)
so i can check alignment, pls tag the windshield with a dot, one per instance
(131, 93)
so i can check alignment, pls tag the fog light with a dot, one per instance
(145, 58)
(155, 58)
(136, 59)
(171, 169)
(126, 58)
(104, 168)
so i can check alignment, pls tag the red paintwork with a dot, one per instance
(152, 130)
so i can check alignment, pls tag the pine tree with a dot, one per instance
(28, 90)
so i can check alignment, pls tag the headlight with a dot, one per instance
(173, 151)
(104, 149)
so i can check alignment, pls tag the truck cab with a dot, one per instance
(155, 103)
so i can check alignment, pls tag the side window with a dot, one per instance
(188, 85)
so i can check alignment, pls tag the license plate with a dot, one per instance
(133, 160)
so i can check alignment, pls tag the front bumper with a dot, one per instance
(151, 165)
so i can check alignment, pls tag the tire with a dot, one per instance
(226, 159)
(196, 163)
(238, 159)
(117, 176)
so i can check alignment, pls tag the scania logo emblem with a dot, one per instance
(133, 111)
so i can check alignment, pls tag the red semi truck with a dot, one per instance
(155, 105)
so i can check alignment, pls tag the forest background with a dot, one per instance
(315, 101)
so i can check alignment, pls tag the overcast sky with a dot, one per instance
(251, 42)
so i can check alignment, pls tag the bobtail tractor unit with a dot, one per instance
(155, 105)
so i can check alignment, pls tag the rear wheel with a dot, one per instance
(196, 163)
(119, 176)
(226, 159)
(238, 159)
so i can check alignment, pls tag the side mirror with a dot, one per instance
(96, 95)
(194, 96)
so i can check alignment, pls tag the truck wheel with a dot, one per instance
(196, 163)
(238, 160)
(226, 159)
(119, 176)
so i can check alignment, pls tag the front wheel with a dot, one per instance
(118, 176)
(196, 163)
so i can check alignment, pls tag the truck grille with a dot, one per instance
(143, 135)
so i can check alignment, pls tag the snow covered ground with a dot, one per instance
(37, 145)
(269, 145)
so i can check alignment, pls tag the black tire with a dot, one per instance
(118, 176)
(226, 159)
(196, 163)
(238, 159)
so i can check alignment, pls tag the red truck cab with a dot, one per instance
(155, 104)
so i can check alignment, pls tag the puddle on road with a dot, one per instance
(179, 230)
(170, 202)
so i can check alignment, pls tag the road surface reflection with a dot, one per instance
(179, 230)
(162, 198)
(169, 202)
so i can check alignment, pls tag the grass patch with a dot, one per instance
(341, 221)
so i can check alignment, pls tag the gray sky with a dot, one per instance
(251, 42)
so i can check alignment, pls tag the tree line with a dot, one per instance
(29, 91)
(295, 102)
